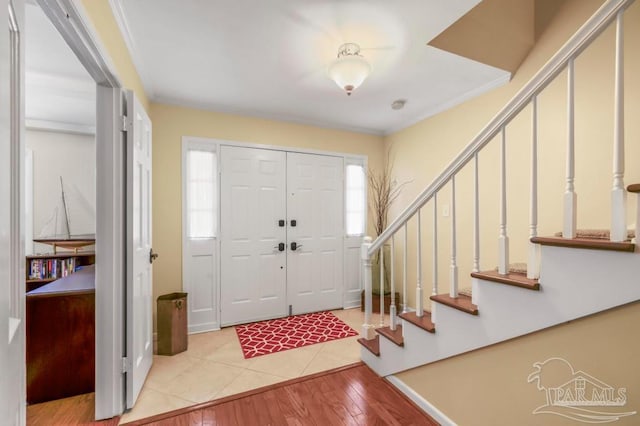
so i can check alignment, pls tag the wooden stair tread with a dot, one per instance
(372, 345)
(461, 303)
(424, 322)
(395, 336)
(511, 278)
(584, 243)
(634, 188)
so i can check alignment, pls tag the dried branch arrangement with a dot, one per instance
(384, 191)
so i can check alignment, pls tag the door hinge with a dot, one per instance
(125, 365)
(125, 123)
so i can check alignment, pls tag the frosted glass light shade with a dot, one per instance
(349, 72)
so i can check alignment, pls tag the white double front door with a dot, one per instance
(281, 233)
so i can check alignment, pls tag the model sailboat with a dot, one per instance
(57, 231)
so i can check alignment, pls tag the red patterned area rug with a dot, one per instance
(267, 337)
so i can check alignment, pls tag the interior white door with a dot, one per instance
(253, 269)
(139, 321)
(314, 259)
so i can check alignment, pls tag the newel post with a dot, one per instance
(367, 328)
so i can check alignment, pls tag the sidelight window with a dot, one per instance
(201, 185)
(355, 196)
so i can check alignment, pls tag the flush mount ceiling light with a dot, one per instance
(350, 69)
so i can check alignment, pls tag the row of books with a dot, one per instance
(43, 269)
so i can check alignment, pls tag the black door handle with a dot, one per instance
(295, 246)
(280, 246)
(152, 256)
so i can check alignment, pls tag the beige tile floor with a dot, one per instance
(214, 367)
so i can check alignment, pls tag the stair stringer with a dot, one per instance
(574, 283)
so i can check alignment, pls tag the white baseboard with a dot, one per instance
(424, 405)
(351, 304)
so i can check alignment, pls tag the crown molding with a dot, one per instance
(117, 9)
(205, 106)
(500, 81)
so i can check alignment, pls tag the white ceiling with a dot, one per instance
(59, 93)
(270, 58)
(267, 59)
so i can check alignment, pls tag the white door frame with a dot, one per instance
(75, 27)
(349, 301)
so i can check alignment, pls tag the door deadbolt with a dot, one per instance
(281, 223)
(294, 222)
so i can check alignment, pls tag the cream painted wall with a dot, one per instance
(422, 151)
(105, 26)
(489, 386)
(171, 123)
(73, 157)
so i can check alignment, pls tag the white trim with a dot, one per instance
(111, 249)
(57, 126)
(500, 81)
(424, 405)
(74, 25)
(117, 9)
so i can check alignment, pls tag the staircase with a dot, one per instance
(566, 277)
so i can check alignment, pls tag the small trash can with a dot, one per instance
(172, 323)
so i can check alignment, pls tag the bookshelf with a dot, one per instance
(42, 269)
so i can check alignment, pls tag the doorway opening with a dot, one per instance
(60, 216)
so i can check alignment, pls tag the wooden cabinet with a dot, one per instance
(42, 269)
(60, 338)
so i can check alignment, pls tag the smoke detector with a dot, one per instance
(398, 104)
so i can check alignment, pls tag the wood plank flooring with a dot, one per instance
(76, 410)
(352, 395)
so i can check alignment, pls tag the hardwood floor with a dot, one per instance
(352, 395)
(76, 410)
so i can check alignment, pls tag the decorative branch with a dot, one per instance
(384, 191)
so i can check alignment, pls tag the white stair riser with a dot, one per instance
(574, 283)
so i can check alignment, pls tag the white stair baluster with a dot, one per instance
(453, 270)
(404, 270)
(533, 263)
(435, 245)
(392, 308)
(367, 328)
(503, 239)
(570, 197)
(381, 258)
(618, 193)
(476, 216)
(419, 302)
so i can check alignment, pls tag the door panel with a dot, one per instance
(315, 202)
(139, 271)
(253, 271)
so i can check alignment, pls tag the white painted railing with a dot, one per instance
(609, 12)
